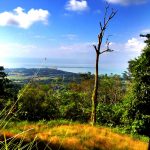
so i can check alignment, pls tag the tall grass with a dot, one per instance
(62, 134)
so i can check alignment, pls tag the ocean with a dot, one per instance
(60, 64)
(69, 65)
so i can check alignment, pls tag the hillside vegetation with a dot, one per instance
(66, 135)
(123, 103)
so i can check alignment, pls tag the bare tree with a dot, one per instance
(103, 26)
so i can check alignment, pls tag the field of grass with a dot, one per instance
(64, 135)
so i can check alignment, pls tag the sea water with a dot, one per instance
(56, 63)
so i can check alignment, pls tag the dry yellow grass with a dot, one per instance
(81, 137)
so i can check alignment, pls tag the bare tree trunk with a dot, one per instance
(103, 26)
(94, 95)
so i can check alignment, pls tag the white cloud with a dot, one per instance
(79, 52)
(145, 31)
(39, 36)
(29, 50)
(23, 19)
(98, 11)
(123, 52)
(126, 2)
(15, 49)
(77, 5)
(130, 49)
(135, 44)
(70, 36)
(116, 61)
(76, 48)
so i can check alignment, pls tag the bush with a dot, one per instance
(38, 102)
(104, 114)
(109, 114)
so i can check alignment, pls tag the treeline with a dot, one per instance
(70, 101)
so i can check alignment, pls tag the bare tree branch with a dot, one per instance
(113, 13)
(95, 48)
(106, 12)
(107, 50)
(103, 26)
(107, 41)
(107, 46)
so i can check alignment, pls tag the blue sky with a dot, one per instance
(65, 30)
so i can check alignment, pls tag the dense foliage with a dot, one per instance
(8, 93)
(36, 101)
(140, 70)
(39, 101)
(72, 101)
(3, 83)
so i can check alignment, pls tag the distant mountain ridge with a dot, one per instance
(42, 75)
(46, 72)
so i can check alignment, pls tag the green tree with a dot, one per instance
(3, 82)
(37, 102)
(111, 93)
(8, 94)
(140, 71)
(111, 89)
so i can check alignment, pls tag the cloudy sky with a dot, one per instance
(65, 30)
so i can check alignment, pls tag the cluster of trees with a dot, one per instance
(37, 101)
(52, 102)
(132, 111)
(8, 91)
(140, 70)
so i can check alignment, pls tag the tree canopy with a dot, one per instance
(140, 71)
(3, 82)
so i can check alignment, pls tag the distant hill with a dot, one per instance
(40, 71)
(45, 75)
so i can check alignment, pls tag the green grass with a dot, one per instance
(18, 78)
(134, 136)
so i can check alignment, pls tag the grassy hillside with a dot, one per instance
(65, 135)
